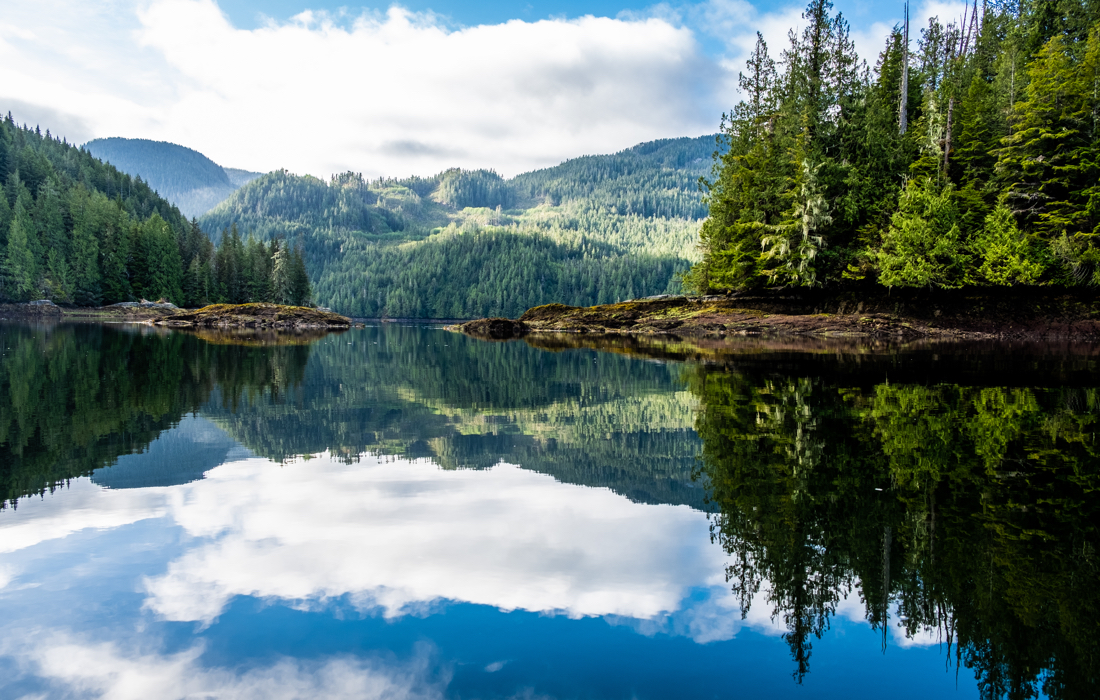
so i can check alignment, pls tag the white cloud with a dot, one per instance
(85, 506)
(400, 535)
(735, 23)
(78, 668)
(393, 93)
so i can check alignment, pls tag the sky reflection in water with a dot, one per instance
(390, 577)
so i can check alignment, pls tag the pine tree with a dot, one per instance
(792, 248)
(1045, 163)
(280, 276)
(301, 291)
(84, 251)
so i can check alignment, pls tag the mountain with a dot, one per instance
(466, 243)
(187, 178)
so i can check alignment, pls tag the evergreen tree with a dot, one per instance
(993, 129)
(923, 247)
(21, 271)
(84, 257)
(301, 292)
(1006, 257)
(280, 276)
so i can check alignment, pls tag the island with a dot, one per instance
(259, 315)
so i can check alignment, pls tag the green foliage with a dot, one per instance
(477, 188)
(20, 270)
(77, 231)
(789, 253)
(922, 247)
(1005, 254)
(71, 222)
(466, 273)
(992, 121)
(469, 243)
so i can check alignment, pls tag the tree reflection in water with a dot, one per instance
(972, 509)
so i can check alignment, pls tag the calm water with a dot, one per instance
(403, 512)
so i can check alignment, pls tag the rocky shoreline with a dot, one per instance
(273, 316)
(885, 314)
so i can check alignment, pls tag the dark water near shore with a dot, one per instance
(400, 511)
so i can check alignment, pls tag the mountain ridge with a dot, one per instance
(465, 243)
(182, 175)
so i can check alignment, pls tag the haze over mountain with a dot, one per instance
(183, 176)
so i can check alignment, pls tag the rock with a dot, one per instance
(255, 316)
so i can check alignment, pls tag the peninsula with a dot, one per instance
(908, 314)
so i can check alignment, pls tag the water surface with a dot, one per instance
(401, 511)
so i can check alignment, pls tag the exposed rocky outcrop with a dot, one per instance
(42, 307)
(255, 316)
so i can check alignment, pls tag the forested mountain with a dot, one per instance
(973, 160)
(183, 176)
(76, 230)
(471, 243)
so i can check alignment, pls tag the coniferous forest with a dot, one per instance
(463, 243)
(77, 231)
(972, 159)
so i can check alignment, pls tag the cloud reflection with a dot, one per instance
(85, 506)
(396, 535)
(75, 668)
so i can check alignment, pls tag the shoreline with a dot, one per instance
(895, 315)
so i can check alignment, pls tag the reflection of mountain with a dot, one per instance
(582, 417)
(931, 486)
(85, 397)
(177, 456)
(75, 398)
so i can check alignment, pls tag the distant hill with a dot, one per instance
(466, 243)
(185, 177)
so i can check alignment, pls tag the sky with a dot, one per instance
(319, 87)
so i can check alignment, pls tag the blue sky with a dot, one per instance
(319, 87)
(249, 14)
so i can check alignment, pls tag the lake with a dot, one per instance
(405, 512)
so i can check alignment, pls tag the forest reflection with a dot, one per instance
(75, 397)
(82, 396)
(970, 510)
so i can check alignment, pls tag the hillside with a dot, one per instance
(75, 230)
(471, 243)
(183, 176)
